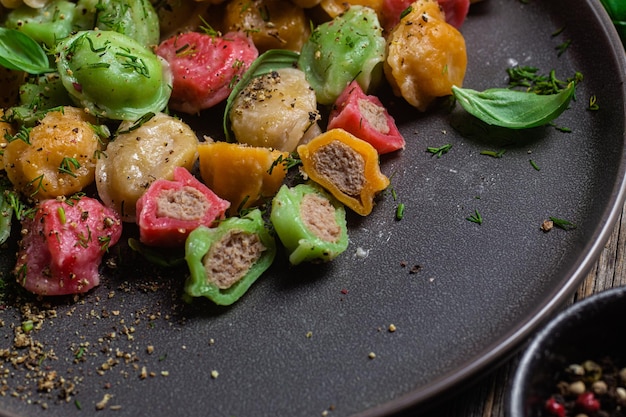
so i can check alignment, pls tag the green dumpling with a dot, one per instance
(45, 25)
(136, 19)
(349, 47)
(310, 223)
(112, 75)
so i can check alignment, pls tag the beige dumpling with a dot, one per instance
(140, 154)
(277, 110)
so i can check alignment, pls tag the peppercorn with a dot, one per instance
(554, 408)
(577, 388)
(588, 402)
(599, 388)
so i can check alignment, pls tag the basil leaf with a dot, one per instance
(514, 109)
(269, 61)
(20, 52)
(6, 211)
(615, 8)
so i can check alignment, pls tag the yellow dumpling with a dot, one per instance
(57, 157)
(426, 55)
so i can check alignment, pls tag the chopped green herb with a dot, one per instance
(440, 150)
(534, 165)
(563, 224)
(207, 29)
(138, 123)
(22, 134)
(79, 354)
(494, 154)
(37, 184)
(104, 243)
(19, 208)
(400, 211)
(563, 129)
(563, 47)
(405, 12)
(287, 163)
(593, 103)
(531, 80)
(475, 218)
(61, 213)
(68, 165)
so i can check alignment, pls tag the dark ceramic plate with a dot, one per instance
(461, 295)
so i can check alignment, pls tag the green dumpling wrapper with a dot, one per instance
(310, 223)
(349, 47)
(112, 75)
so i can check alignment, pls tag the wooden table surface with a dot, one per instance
(486, 397)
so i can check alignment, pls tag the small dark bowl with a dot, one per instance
(593, 328)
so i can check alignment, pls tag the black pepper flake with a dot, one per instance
(415, 269)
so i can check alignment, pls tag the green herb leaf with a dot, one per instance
(440, 150)
(400, 211)
(563, 224)
(514, 109)
(475, 218)
(20, 52)
(269, 61)
(493, 154)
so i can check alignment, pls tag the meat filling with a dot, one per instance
(231, 258)
(375, 115)
(341, 165)
(319, 217)
(187, 204)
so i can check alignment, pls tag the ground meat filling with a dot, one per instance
(341, 165)
(186, 204)
(318, 216)
(231, 258)
(375, 115)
